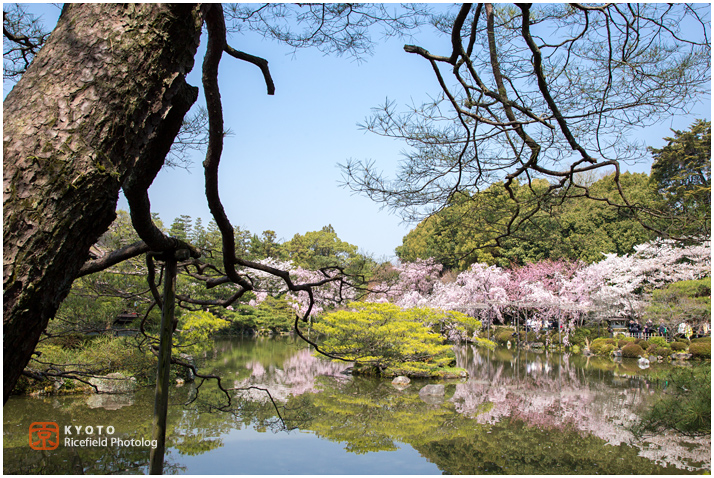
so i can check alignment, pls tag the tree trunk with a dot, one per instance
(163, 370)
(106, 90)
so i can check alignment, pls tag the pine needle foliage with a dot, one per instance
(389, 340)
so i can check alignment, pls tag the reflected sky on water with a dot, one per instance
(518, 413)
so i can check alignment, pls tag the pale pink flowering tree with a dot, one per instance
(625, 281)
(412, 283)
(330, 290)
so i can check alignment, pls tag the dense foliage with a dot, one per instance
(681, 172)
(570, 225)
(551, 290)
(685, 405)
(563, 228)
(680, 301)
(392, 340)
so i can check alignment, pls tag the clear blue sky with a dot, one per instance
(279, 168)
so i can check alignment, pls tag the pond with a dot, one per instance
(518, 413)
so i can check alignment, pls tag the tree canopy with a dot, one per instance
(560, 228)
(681, 172)
(540, 91)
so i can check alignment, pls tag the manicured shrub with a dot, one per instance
(642, 343)
(607, 349)
(602, 346)
(503, 336)
(663, 351)
(387, 337)
(701, 350)
(678, 346)
(659, 341)
(707, 339)
(632, 350)
(652, 349)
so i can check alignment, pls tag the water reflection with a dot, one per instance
(518, 413)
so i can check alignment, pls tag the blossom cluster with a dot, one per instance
(266, 284)
(549, 289)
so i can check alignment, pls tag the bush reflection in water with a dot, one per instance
(559, 395)
(519, 413)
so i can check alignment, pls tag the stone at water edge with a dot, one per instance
(401, 380)
(114, 383)
(433, 389)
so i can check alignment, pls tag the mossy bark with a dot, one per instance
(105, 90)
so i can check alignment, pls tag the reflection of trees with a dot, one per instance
(514, 447)
(552, 393)
(296, 375)
(133, 421)
(519, 413)
(370, 415)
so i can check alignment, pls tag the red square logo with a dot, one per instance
(44, 436)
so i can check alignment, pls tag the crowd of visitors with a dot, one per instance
(686, 329)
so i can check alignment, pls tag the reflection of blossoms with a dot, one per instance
(555, 396)
(297, 376)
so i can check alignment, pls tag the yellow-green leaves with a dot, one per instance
(394, 340)
(197, 328)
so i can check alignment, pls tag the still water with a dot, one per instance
(519, 413)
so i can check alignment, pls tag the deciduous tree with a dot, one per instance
(547, 91)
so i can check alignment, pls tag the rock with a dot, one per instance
(653, 358)
(617, 353)
(114, 383)
(401, 382)
(433, 389)
(432, 394)
(681, 356)
(179, 382)
(186, 373)
(110, 402)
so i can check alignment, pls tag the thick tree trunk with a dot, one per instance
(106, 91)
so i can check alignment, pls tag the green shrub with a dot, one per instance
(663, 351)
(602, 346)
(68, 341)
(102, 355)
(387, 337)
(503, 336)
(659, 341)
(707, 339)
(686, 407)
(652, 349)
(608, 349)
(642, 343)
(678, 346)
(701, 350)
(632, 350)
